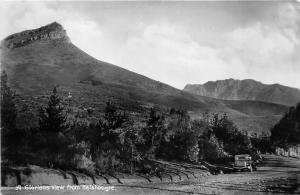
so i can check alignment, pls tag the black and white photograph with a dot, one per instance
(150, 97)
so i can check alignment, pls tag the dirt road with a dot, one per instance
(275, 175)
(278, 175)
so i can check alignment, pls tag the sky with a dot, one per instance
(177, 42)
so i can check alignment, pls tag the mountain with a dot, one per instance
(248, 89)
(37, 60)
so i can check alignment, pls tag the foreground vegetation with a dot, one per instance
(117, 142)
(286, 132)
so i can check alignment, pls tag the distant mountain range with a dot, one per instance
(37, 60)
(247, 89)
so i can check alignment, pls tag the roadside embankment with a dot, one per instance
(36, 176)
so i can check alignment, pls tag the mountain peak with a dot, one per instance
(52, 31)
(53, 26)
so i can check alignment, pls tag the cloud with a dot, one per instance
(258, 45)
(170, 55)
(266, 50)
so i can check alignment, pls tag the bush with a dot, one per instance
(180, 142)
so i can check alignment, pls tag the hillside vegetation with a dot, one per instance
(286, 132)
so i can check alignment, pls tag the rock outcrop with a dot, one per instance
(53, 31)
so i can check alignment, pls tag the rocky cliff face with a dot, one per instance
(53, 31)
(231, 89)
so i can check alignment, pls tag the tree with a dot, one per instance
(53, 119)
(54, 147)
(11, 137)
(130, 155)
(8, 107)
(287, 131)
(181, 141)
(229, 136)
(261, 143)
(210, 148)
(15, 139)
(184, 145)
(223, 127)
(104, 137)
(153, 133)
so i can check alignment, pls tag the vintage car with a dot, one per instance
(244, 162)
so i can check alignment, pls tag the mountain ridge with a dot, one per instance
(53, 31)
(247, 89)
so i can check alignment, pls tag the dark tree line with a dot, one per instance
(287, 131)
(11, 137)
